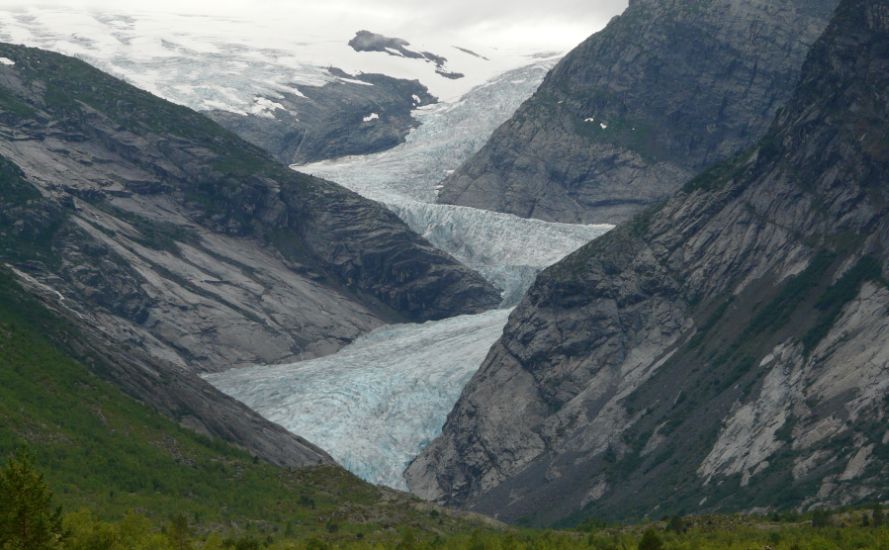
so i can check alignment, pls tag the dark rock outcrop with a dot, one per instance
(352, 115)
(665, 90)
(725, 351)
(366, 41)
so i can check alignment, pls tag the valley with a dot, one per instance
(376, 403)
(334, 275)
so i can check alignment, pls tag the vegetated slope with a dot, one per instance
(107, 453)
(180, 239)
(724, 351)
(667, 89)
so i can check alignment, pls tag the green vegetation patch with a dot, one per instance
(832, 301)
(102, 451)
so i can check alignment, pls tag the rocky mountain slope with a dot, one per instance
(177, 248)
(667, 89)
(179, 238)
(162, 386)
(724, 351)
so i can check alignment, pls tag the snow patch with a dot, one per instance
(6, 61)
(265, 107)
(371, 117)
(603, 125)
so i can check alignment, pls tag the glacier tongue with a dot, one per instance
(449, 133)
(506, 249)
(376, 403)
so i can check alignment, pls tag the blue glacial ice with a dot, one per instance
(377, 402)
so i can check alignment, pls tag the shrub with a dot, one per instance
(651, 541)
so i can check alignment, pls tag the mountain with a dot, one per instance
(176, 248)
(292, 85)
(664, 91)
(351, 115)
(724, 351)
(173, 235)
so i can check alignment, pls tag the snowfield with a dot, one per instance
(225, 62)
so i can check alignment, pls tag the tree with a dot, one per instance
(677, 525)
(28, 520)
(651, 541)
(178, 532)
(821, 518)
(877, 516)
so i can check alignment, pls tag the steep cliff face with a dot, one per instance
(724, 351)
(178, 238)
(667, 89)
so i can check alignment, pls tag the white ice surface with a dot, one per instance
(377, 402)
(223, 61)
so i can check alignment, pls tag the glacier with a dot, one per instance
(449, 133)
(377, 402)
(506, 249)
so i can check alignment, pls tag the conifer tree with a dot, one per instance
(28, 520)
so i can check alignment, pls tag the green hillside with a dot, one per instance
(102, 450)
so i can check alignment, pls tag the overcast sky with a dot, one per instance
(558, 24)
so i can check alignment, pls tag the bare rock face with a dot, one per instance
(352, 115)
(725, 351)
(196, 247)
(666, 90)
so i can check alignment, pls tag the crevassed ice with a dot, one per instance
(449, 133)
(506, 249)
(375, 404)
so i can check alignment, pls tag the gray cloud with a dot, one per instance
(559, 22)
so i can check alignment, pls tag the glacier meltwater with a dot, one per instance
(377, 402)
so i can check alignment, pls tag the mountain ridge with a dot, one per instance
(720, 352)
(664, 91)
(167, 197)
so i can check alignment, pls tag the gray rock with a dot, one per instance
(366, 41)
(665, 90)
(725, 351)
(353, 115)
